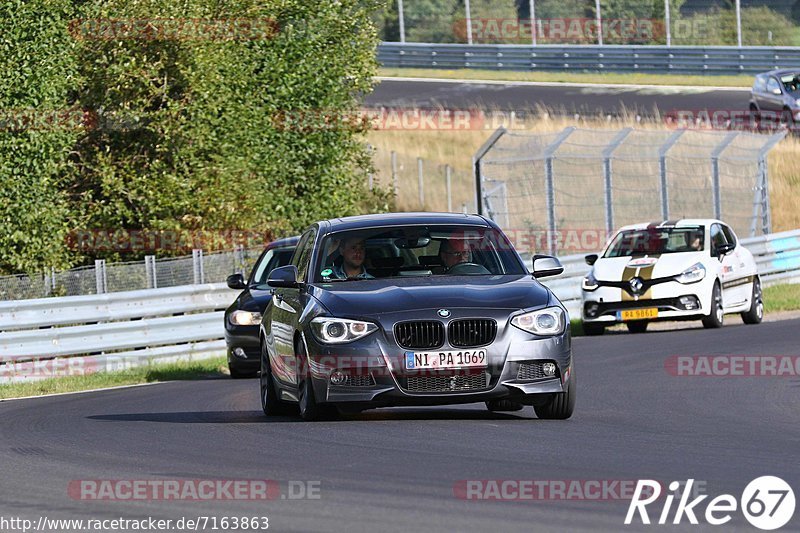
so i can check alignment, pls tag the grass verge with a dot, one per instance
(178, 371)
(784, 297)
(611, 78)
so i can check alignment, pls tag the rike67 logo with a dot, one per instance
(767, 503)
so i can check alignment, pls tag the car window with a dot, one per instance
(760, 84)
(657, 240)
(772, 84)
(790, 83)
(417, 251)
(302, 255)
(717, 237)
(730, 237)
(272, 259)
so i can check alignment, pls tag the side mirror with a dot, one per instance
(725, 249)
(545, 265)
(285, 276)
(591, 259)
(236, 281)
(776, 92)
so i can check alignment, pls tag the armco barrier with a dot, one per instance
(612, 58)
(125, 329)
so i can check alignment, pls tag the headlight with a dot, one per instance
(589, 283)
(693, 274)
(548, 321)
(330, 330)
(245, 318)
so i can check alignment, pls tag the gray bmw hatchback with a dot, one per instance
(413, 309)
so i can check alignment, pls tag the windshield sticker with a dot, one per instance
(326, 273)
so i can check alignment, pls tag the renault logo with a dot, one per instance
(636, 285)
(444, 313)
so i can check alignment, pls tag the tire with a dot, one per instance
(755, 114)
(310, 409)
(756, 312)
(638, 326)
(717, 317)
(593, 329)
(270, 404)
(562, 405)
(503, 405)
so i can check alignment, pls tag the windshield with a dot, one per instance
(652, 241)
(416, 251)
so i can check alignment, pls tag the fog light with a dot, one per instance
(238, 352)
(338, 378)
(549, 369)
(591, 310)
(689, 302)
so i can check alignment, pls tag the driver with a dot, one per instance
(353, 251)
(453, 252)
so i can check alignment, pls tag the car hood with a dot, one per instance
(255, 299)
(378, 297)
(647, 267)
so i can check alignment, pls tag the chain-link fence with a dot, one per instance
(581, 181)
(116, 277)
(559, 22)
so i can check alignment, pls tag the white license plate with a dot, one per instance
(454, 359)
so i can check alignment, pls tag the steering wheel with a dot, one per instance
(468, 268)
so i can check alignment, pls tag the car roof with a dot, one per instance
(679, 223)
(780, 72)
(402, 219)
(285, 241)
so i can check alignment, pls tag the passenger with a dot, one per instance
(453, 252)
(353, 252)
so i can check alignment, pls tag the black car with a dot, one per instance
(244, 315)
(776, 94)
(413, 309)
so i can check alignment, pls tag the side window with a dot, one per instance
(760, 85)
(302, 255)
(772, 84)
(729, 235)
(717, 237)
(260, 271)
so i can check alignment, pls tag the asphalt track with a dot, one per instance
(559, 99)
(395, 469)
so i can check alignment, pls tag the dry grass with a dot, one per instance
(456, 148)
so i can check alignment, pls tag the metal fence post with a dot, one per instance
(197, 266)
(532, 12)
(599, 19)
(716, 193)
(549, 186)
(477, 166)
(662, 166)
(468, 12)
(667, 24)
(46, 281)
(447, 184)
(402, 21)
(608, 152)
(394, 172)
(766, 210)
(100, 275)
(421, 179)
(238, 258)
(150, 271)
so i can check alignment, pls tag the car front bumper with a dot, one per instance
(674, 301)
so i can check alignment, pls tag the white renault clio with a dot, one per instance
(675, 270)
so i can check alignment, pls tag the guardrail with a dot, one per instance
(120, 330)
(612, 58)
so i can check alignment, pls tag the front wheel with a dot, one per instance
(310, 409)
(561, 406)
(716, 318)
(756, 312)
(270, 403)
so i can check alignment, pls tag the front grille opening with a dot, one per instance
(444, 383)
(423, 334)
(533, 371)
(359, 381)
(472, 332)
